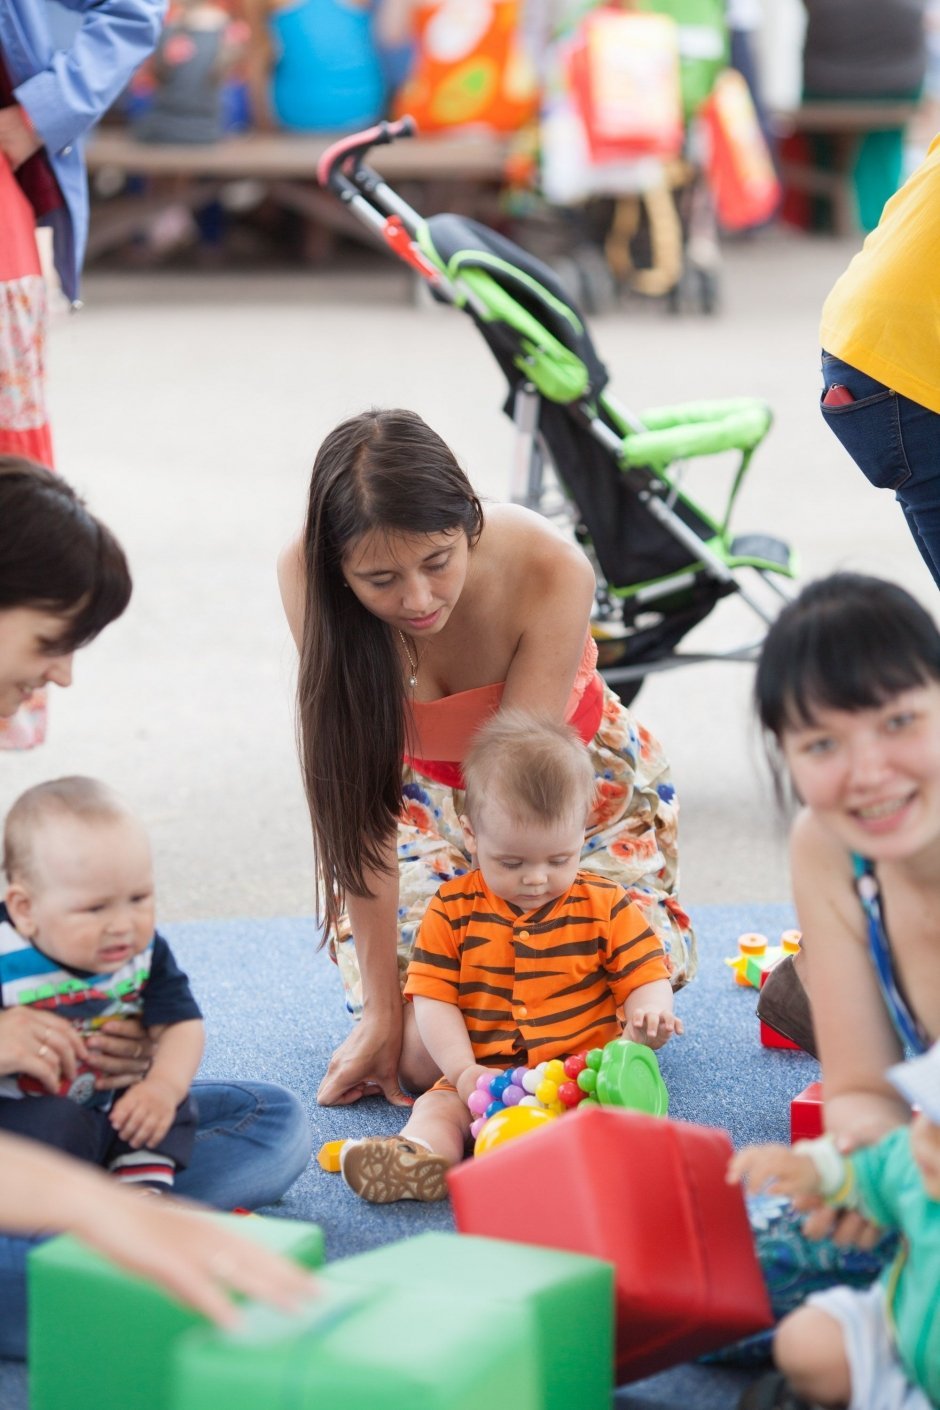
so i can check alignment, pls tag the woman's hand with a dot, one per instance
(41, 1045)
(189, 1254)
(18, 138)
(365, 1062)
(121, 1053)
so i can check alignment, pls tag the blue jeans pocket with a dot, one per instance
(869, 427)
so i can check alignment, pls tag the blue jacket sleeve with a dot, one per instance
(80, 83)
(167, 995)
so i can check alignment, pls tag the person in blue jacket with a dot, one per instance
(53, 87)
(56, 94)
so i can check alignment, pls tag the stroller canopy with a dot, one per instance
(536, 321)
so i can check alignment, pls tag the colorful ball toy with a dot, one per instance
(622, 1073)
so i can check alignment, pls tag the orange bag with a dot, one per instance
(624, 71)
(739, 168)
(470, 67)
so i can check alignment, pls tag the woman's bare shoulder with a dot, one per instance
(810, 840)
(823, 878)
(290, 580)
(520, 537)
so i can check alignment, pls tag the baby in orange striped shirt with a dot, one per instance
(524, 959)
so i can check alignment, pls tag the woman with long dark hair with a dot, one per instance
(417, 614)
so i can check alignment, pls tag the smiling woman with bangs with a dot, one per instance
(848, 693)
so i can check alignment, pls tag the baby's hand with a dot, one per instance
(774, 1168)
(467, 1081)
(144, 1114)
(652, 1026)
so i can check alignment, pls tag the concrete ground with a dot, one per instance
(188, 408)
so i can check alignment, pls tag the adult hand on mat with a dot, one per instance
(364, 1064)
(121, 1053)
(41, 1045)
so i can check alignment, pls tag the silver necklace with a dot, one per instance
(413, 678)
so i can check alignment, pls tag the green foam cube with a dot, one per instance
(99, 1336)
(359, 1348)
(571, 1297)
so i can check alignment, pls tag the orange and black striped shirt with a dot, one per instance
(534, 985)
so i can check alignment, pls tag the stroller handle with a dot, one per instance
(351, 149)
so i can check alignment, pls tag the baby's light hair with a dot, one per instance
(74, 797)
(537, 769)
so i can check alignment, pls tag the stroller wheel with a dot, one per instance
(696, 291)
(566, 271)
(586, 278)
(708, 290)
(598, 286)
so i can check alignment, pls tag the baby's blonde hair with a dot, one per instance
(74, 797)
(537, 769)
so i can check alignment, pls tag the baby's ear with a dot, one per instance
(19, 903)
(469, 836)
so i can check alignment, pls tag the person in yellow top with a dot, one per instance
(880, 335)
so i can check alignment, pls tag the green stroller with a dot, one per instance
(662, 561)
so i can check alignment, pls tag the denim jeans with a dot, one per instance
(895, 442)
(252, 1142)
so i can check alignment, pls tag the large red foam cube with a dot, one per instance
(806, 1113)
(647, 1194)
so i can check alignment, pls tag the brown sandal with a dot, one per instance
(382, 1169)
(784, 1006)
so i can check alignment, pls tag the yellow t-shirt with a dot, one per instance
(883, 315)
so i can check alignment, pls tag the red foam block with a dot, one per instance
(770, 1038)
(806, 1113)
(646, 1194)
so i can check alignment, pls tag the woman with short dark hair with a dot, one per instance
(63, 578)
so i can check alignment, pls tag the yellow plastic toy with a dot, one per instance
(507, 1125)
(756, 956)
(328, 1156)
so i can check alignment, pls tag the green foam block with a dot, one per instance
(571, 1298)
(99, 1336)
(359, 1348)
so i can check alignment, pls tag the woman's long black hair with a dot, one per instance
(383, 470)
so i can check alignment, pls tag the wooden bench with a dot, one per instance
(463, 165)
(844, 123)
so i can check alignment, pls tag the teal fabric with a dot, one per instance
(891, 1190)
(327, 76)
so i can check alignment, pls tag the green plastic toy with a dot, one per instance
(624, 1073)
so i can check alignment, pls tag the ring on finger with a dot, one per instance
(43, 1049)
(138, 1050)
